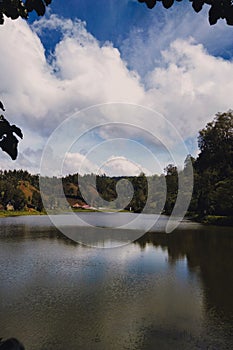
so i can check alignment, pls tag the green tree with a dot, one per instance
(18, 199)
(12, 194)
(37, 201)
(140, 193)
(214, 166)
(171, 176)
(216, 144)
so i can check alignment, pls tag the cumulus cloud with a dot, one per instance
(188, 88)
(28, 160)
(143, 46)
(82, 73)
(112, 166)
(120, 166)
(191, 87)
(78, 163)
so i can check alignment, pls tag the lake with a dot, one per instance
(161, 291)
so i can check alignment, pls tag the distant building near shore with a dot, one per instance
(76, 205)
(10, 207)
(84, 206)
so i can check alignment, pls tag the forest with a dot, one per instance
(212, 198)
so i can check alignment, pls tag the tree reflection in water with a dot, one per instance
(208, 253)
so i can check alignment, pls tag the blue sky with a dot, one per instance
(84, 53)
(115, 20)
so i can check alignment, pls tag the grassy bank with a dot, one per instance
(7, 213)
(100, 210)
(217, 220)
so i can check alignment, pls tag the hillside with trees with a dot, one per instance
(212, 197)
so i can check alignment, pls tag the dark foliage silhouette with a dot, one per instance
(8, 141)
(1, 106)
(11, 344)
(17, 8)
(218, 8)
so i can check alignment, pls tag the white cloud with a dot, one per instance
(113, 166)
(78, 163)
(189, 87)
(143, 46)
(120, 166)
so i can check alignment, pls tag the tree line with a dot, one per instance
(212, 192)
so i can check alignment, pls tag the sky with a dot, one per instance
(112, 86)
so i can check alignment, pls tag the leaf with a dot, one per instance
(229, 16)
(213, 15)
(17, 131)
(167, 3)
(197, 5)
(36, 5)
(1, 106)
(9, 145)
(29, 4)
(150, 3)
(39, 7)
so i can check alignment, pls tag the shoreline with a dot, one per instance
(6, 213)
(216, 220)
(12, 213)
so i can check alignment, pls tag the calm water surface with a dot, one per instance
(163, 291)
